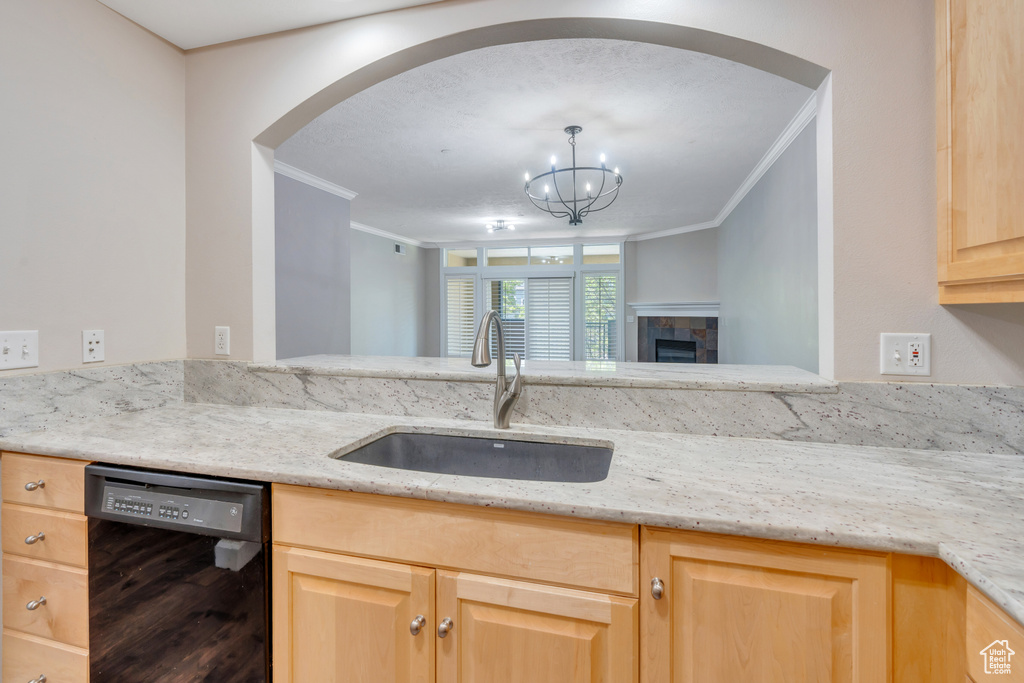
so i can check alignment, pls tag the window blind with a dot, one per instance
(460, 307)
(549, 318)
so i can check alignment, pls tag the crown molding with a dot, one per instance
(672, 231)
(361, 227)
(531, 242)
(313, 181)
(793, 129)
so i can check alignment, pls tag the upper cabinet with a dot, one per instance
(980, 122)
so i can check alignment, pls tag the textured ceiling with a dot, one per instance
(197, 23)
(437, 151)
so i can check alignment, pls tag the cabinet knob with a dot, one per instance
(657, 588)
(33, 485)
(36, 604)
(445, 627)
(29, 540)
(41, 679)
(417, 624)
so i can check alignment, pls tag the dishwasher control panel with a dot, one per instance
(180, 510)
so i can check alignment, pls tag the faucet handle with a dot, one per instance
(517, 381)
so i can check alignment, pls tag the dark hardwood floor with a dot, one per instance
(161, 612)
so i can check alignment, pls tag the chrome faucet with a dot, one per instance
(505, 394)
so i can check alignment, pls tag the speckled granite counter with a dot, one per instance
(593, 373)
(965, 508)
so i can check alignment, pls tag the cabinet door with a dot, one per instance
(341, 619)
(734, 609)
(980, 90)
(516, 632)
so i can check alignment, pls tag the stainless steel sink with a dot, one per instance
(482, 457)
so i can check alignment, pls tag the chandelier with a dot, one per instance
(578, 203)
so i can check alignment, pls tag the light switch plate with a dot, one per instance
(94, 349)
(906, 354)
(19, 349)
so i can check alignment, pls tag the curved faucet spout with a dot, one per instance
(505, 394)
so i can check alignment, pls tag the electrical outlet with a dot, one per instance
(906, 354)
(93, 347)
(19, 349)
(222, 341)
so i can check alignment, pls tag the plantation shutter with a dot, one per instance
(460, 303)
(549, 318)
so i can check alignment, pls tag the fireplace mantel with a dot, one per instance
(676, 309)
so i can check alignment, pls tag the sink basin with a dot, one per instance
(471, 456)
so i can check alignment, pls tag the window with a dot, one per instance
(600, 303)
(508, 298)
(555, 302)
(460, 314)
(551, 256)
(459, 258)
(600, 253)
(516, 256)
(549, 318)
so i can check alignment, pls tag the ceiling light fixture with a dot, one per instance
(499, 225)
(575, 207)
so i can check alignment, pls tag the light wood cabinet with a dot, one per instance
(504, 630)
(529, 597)
(45, 547)
(341, 619)
(734, 609)
(995, 643)
(979, 114)
(577, 553)
(53, 483)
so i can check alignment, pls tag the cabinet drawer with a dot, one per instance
(65, 534)
(27, 657)
(602, 556)
(990, 633)
(63, 481)
(64, 617)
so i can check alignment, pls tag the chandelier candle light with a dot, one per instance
(575, 207)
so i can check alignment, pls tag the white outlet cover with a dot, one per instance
(19, 349)
(94, 348)
(892, 364)
(222, 341)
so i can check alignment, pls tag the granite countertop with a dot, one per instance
(966, 508)
(782, 378)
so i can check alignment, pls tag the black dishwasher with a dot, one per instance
(178, 578)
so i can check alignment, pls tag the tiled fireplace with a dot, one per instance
(702, 331)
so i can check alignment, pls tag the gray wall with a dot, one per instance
(313, 272)
(767, 266)
(673, 269)
(395, 299)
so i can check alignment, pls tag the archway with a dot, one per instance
(716, 44)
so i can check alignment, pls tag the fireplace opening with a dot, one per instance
(674, 351)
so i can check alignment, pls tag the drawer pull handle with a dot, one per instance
(29, 540)
(417, 624)
(41, 679)
(36, 604)
(657, 588)
(33, 485)
(445, 628)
